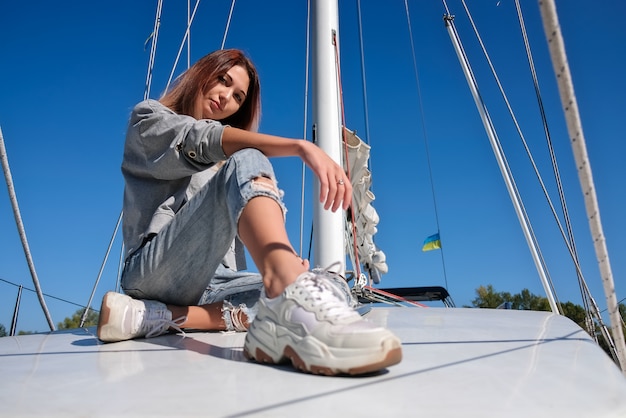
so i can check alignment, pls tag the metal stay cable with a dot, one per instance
(153, 38)
(584, 290)
(304, 128)
(182, 44)
(556, 46)
(45, 294)
(363, 79)
(22, 231)
(528, 153)
(355, 252)
(230, 16)
(425, 136)
(503, 164)
(102, 266)
(589, 304)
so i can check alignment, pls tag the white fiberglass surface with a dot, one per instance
(456, 362)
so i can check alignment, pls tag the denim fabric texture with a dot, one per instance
(182, 264)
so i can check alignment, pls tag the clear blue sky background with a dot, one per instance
(71, 71)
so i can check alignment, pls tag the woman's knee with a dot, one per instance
(255, 176)
(252, 166)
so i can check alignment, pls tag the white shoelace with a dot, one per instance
(328, 296)
(339, 283)
(156, 322)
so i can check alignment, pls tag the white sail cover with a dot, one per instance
(362, 217)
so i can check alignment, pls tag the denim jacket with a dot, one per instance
(167, 158)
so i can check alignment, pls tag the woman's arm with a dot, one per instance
(330, 174)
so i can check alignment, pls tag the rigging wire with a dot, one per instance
(528, 153)
(588, 302)
(104, 263)
(22, 231)
(503, 164)
(556, 47)
(46, 294)
(230, 15)
(120, 268)
(368, 140)
(355, 263)
(153, 37)
(182, 44)
(363, 79)
(585, 294)
(304, 125)
(425, 136)
(189, 37)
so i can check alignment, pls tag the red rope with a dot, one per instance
(357, 265)
(391, 295)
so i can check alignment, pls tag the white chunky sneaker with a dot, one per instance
(311, 325)
(124, 318)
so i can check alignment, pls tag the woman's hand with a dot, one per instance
(335, 187)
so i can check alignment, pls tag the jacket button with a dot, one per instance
(192, 154)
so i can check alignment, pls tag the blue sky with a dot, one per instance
(71, 71)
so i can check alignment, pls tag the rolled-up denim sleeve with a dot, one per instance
(203, 142)
(165, 145)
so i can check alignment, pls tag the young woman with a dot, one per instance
(198, 185)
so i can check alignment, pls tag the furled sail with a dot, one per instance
(362, 217)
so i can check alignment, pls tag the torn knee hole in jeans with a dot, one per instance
(267, 184)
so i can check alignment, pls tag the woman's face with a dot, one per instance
(226, 97)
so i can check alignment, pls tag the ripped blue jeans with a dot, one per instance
(182, 264)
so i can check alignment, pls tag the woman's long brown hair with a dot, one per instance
(204, 74)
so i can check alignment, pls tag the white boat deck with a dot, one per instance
(457, 362)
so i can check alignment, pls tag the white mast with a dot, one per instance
(328, 226)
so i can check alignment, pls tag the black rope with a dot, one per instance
(47, 295)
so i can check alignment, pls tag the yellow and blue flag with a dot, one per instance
(433, 242)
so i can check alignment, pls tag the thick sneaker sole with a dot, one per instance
(312, 356)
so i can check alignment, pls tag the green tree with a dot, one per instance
(74, 320)
(530, 302)
(576, 313)
(3, 331)
(487, 297)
